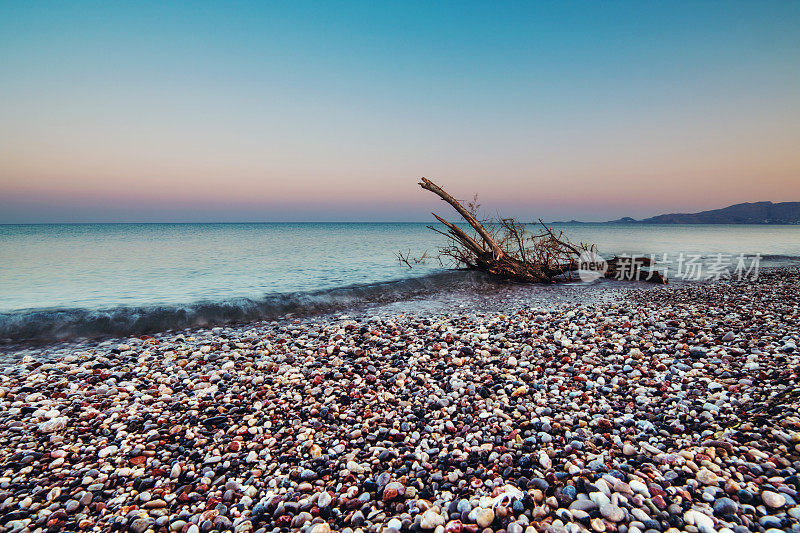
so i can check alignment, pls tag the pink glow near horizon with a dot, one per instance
(618, 183)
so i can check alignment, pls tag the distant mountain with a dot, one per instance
(623, 220)
(747, 213)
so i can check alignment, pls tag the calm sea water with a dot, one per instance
(62, 280)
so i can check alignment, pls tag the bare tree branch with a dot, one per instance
(503, 247)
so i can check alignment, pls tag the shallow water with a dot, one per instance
(65, 280)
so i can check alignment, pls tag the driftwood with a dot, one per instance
(504, 248)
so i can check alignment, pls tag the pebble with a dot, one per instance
(323, 527)
(598, 525)
(706, 477)
(725, 506)
(612, 512)
(702, 521)
(646, 412)
(324, 500)
(773, 499)
(484, 517)
(431, 519)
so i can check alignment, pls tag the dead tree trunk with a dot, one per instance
(509, 252)
(488, 255)
(466, 215)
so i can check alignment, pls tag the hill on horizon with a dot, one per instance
(744, 213)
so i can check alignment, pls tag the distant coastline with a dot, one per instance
(745, 213)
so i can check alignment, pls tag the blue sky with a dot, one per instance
(331, 111)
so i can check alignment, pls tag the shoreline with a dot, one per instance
(433, 294)
(102, 316)
(651, 410)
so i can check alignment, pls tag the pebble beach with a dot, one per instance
(663, 409)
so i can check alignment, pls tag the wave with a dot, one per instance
(48, 325)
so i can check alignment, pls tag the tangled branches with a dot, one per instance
(506, 248)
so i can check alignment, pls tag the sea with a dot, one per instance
(63, 281)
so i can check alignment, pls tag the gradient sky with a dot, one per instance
(231, 111)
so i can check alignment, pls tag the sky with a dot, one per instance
(331, 111)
